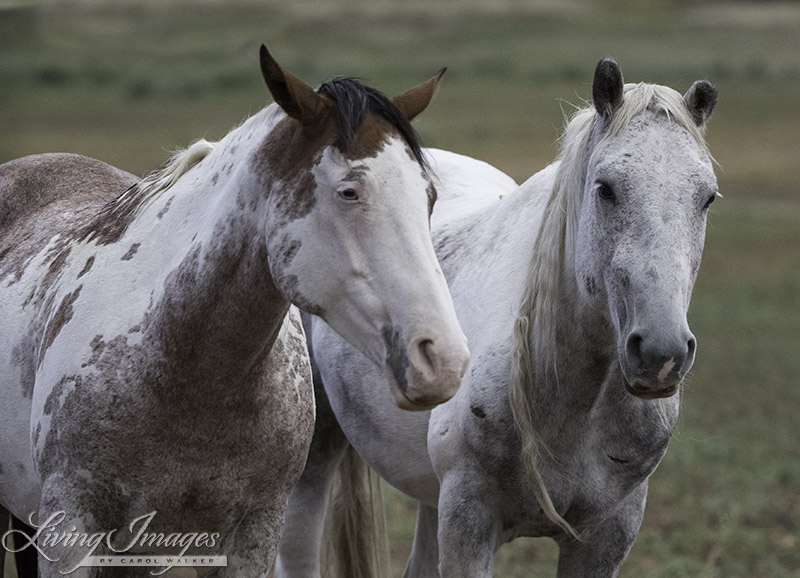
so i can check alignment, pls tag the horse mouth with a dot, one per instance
(404, 402)
(649, 393)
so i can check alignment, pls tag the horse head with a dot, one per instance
(648, 183)
(348, 235)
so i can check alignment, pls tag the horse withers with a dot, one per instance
(573, 290)
(154, 374)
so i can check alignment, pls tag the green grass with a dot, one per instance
(128, 81)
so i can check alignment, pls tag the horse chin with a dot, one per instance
(404, 402)
(650, 393)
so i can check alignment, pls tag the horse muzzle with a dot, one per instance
(426, 373)
(654, 365)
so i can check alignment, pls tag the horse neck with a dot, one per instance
(220, 311)
(585, 341)
(573, 359)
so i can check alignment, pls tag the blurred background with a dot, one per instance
(127, 82)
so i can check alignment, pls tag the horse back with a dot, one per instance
(29, 184)
(50, 194)
(465, 185)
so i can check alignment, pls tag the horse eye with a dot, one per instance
(348, 195)
(711, 200)
(605, 192)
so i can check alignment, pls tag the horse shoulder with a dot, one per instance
(288, 388)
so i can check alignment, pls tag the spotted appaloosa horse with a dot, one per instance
(151, 359)
(573, 291)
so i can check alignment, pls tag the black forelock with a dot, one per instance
(354, 100)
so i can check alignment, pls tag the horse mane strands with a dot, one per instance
(161, 179)
(113, 219)
(535, 327)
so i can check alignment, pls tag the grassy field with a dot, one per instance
(128, 81)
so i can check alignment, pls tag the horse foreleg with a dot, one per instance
(604, 546)
(300, 546)
(424, 559)
(252, 550)
(299, 549)
(468, 527)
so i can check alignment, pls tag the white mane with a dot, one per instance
(179, 164)
(535, 353)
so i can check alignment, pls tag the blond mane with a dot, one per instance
(162, 178)
(535, 353)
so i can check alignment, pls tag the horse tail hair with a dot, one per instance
(355, 540)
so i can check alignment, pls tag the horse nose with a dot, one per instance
(656, 364)
(437, 368)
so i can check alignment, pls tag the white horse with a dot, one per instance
(573, 291)
(151, 362)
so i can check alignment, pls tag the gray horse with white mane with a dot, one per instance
(573, 291)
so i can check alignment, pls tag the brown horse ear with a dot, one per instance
(414, 101)
(293, 95)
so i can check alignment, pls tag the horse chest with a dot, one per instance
(598, 459)
(611, 451)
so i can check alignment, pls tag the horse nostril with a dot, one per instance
(690, 349)
(425, 357)
(691, 346)
(633, 348)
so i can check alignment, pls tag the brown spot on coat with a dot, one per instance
(87, 267)
(286, 157)
(62, 316)
(131, 252)
(291, 150)
(22, 356)
(166, 207)
(432, 195)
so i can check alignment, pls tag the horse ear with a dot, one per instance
(700, 99)
(293, 95)
(414, 101)
(607, 87)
